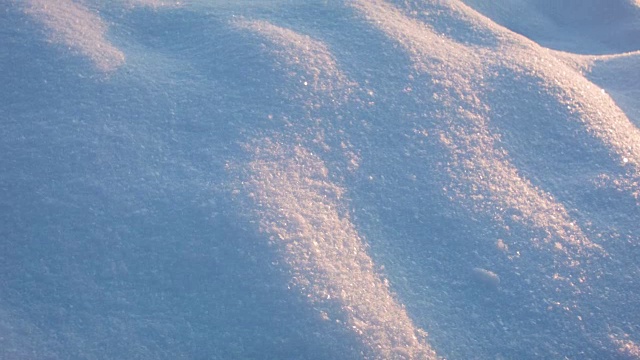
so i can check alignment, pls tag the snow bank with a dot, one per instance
(587, 27)
(320, 179)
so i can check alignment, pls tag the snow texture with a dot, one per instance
(358, 179)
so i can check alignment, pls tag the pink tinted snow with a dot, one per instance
(74, 25)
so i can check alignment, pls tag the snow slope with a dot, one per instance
(319, 180)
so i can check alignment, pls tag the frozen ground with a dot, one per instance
(359, 179)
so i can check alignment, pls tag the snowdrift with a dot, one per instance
(320, 180)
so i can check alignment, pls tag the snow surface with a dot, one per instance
(359, 179)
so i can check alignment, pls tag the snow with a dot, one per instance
(332, 179)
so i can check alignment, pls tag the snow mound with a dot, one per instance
(320, 180)
(585, 27)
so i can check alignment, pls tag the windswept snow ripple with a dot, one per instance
(414, 165)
